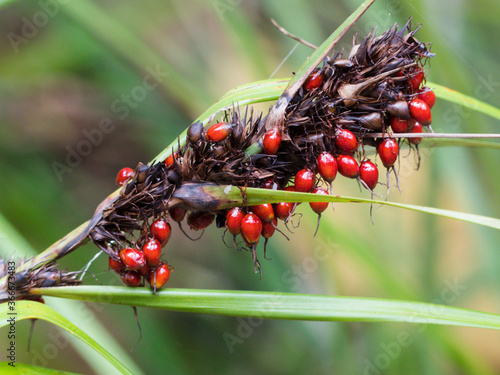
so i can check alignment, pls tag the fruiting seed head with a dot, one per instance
(283, 210)
(268, 228)
(421, 112)
(219, 132)
(346, 140)
(177, 214)
(123, 175)
(319, 207)
(199, 220)
(159, 276)
(233, 220)
(161, 230)
(133, 259)
(314, 80)
(388, 151)
(368, 173)
(251, 228)
(416, 129)
(304, 181)
(264, 211)
(116, 265)
(348, 166)
(152, 252)
(131, 278)
(398, 125)
(428, 96)
(327, 166)
(416, 79)
(272, 141)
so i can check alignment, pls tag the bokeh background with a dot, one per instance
(66, 68)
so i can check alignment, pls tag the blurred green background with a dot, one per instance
(67, 68)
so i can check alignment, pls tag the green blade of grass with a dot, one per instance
(273, 305)
(25, 369)
(455, 142)
(36, 310)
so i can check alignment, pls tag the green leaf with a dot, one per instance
(24, 369)
(456, 142)
(36, 310)
(273, 305)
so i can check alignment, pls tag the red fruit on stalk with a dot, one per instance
(233, 220)
(144, 271)
(314, 80)
(170, 160)
(348, 166)
(116, 265)
(251, 228)
(152, 252)
(319, 207)
(131, 278)
(159, 276)
(268, 228)
(416, 129)
(283, 210)
(161, 230)
(388, 150)
(427, 96)
(327, 166)
(133, 259)
(264, 211)
(416, 79)
(420, 111)
(368, 173)
(272, 141)
(346, 140)
(398, 125)
(304, 181)
(123, 175)
(199, 220)
(219, 132)
(177, 214)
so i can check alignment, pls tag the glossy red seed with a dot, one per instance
(283, 210)
(123, 175)
(416, 79)
(251, 228)
(199, 220)
(314, 80)
(145, 270)
(268, 228)
(219, 132)
(159, 277)
(348, 166)
(272, 141)
(177, 214)
(304, 181)
(319, 207)
(398, 125)
(416, 129)
(116, 265)
(170, 160)
(428, 96)
(152, 252)
(388, 150)
(264, 211)
(346, 141)
(268, 183)
(131, 278)
(420, 111)
(161, 230)
(368, 173)
(233, 220)
(327, 166)
(133, 259)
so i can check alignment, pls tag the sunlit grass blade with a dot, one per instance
(275, 305)
(455, 142)
(36, 310)
(25, 369)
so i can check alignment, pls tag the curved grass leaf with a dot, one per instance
(273, 305)
(458, 142)
(36, 310)
(25, 369)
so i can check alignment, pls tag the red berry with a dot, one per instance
(268, 228)
(427, 96)
(368, 173)
(319, 207)
(233, 220)
(268, 183)
(124, 175)
(398, 125)
(416, 79)
(152, 252)
(272, 141)
(314, 80)
(145, 270)
(116, 265)
(388, 151)
(177, 214)
(348, 166)
(131, 278)
(161, 230)
(304, 181)
(199, 220)
(170, 160)
(219, 132)
(133, 259)
(159, 277)
(251, 228)
(416, 129)
(420, 111)
(346, 140)
(327, 166)
(264, 211)
(283, 210)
